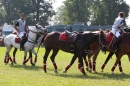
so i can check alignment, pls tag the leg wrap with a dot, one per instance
(120, 68)
(79, 66)
(35, 60)
(14, 60)
(113, 68)
(67, 67)
(82, 70)
(103, 66)
(44, 67)
(31, 61)
(94, 64)
(5, 59)
(55, 66)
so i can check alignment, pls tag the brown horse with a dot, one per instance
(110, 54)
(52, 42)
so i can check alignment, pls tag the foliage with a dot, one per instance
(19, 75)
(99, 12)
(76, 11)
(104, 12)
(35, 10)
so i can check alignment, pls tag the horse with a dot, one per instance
(30, 54)
(12, 40)
(94, 47)
(52, 42)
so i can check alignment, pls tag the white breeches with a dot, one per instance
(116, 32)
(21, 34)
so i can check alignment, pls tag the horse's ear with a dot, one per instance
(100, 29)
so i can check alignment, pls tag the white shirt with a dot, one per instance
(117, 22)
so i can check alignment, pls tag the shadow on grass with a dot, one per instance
(29, 67)
(36, 68)
(98, 76)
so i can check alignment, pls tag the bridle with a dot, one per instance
(37, 33)
(101, 45)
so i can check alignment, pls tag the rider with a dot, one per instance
(20, 27)
(116, 27)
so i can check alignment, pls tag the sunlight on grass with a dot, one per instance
(19, 75)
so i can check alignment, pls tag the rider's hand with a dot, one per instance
(119, 27)
(18, 32)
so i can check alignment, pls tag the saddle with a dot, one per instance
(68, 36)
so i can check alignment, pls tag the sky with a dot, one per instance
(58, 3)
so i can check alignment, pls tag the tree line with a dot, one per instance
(98, 12)
(35, 11)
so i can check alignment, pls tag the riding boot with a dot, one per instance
(116, 43)
(22, 43)
(71, 47)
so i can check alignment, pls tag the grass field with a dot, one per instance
(19, 75)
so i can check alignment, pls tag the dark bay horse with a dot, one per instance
(95, 54)
(52, 42)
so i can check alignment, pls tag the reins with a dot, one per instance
(100, 42)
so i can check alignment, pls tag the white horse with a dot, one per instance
(9, 42)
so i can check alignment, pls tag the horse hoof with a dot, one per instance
(64, 71)
(33, 64)
(84, 74)
(123, 73)
(45, 71)
(6, 63)
(15, 63)
(55, 71)
(95, 71)
(87, 69)
(24, 64)
(101, 70)
(11, 63)
(90, 71)
(112, 73)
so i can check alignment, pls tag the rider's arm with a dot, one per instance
(122, 23)
(15, 26)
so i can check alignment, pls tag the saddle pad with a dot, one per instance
(108, 37)
(63, 37)
(17, 40)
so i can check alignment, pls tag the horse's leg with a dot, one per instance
(35, 60)
(116, 62)
(119, 64)
(30, 57)
(71, 63)
(94, 60)
(89, 60)
(81, 63)
(86, 62)
(25, 55)
(7, 56)
(14, 53)
(45, 58)
(55, 51)
(107, 59)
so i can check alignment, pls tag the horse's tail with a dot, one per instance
(41, 42)
(2, 39)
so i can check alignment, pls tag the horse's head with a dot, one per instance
(102, 41)
(41, 30)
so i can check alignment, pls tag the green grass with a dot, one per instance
(19, 75)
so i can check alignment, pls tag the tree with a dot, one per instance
(104, 12)
(43, 10)
(76, 11)
(35, 10)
